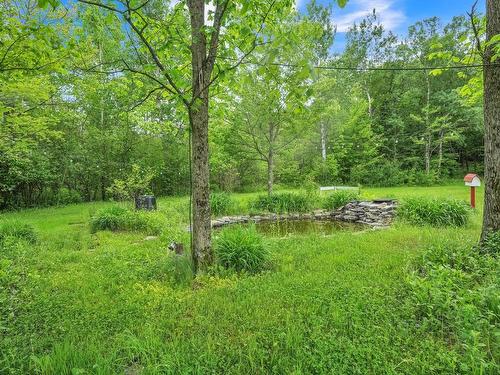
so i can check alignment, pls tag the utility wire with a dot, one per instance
(363, 69)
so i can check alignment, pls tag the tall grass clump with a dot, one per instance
(339, 199)
(283, 203)
(17, 230)
(117, 218)
(242, 249)
(435, 212)
(220, 203)
(454, 295)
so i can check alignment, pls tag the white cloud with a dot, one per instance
(356, 10)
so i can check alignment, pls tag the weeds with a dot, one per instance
(455, 295)
(242, 249)
(435, 212)
(339, 199)
(491, 244)
(342, 304)
(17, 230)
(220, 203)
(283, 203)
(117, 218)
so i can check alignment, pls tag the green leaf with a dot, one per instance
(342, 3)
(436, 72)
(44, 3)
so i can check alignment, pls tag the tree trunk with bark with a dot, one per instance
(440, 152)
(201, 248)
(427, 153)
(270, 172)
(369, 97)
(202, 252)
(323, 141)
(428, 141)
(491, 220)
(270, 158)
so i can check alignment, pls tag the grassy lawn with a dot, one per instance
(106, 303)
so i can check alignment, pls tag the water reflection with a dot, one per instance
(305, 227)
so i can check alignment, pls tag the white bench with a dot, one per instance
(330, 188)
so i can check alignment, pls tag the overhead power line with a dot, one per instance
(363, 69)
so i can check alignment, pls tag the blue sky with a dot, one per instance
(396, 15)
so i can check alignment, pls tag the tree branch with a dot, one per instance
(246, 54)
(220, 10)
(127, 16)
(143, 100)
(472, 17)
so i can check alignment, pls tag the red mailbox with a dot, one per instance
(473, 181)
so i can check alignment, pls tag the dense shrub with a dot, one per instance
(66, 196)
(381, 173)
(220, 203)
(421, 178)
(241, 249)
(339, 199)
(117, 218)
(137, 182)
(436, 212)
(455, 295)
(325, 172)
(283, 202)
(17, 230)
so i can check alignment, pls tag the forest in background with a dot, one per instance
(80, 124)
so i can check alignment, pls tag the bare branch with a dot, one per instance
(220, 10)
(247, 53)
(127, 16)
(472, 17)
(143, 100)
(98, 4)
(22, 36)
(150, 76)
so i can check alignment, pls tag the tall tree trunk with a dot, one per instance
(202, 252)
(201, 249)
(323, 141)
(440, 152)
(101, 124)
(428, 141)
(491, 220)
(427, 155)
(270, 158)
(270, 172)
(369, 97)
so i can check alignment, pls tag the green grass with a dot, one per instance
(104, 303)
(437, 212)
(337, 199)
(241, 249)
(283, 202)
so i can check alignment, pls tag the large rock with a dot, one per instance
(377, 214)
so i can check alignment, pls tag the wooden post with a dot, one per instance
(473, 196)
(472, 180)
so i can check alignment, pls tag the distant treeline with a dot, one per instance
(75, 124)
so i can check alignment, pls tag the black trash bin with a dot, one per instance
(145, 202)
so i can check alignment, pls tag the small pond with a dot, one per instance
(286, 228)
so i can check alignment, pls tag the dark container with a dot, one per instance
(145, 202)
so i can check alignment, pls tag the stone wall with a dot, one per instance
(377, 214)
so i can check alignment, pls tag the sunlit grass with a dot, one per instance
(106, 302)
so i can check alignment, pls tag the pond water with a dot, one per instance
(304, 227)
